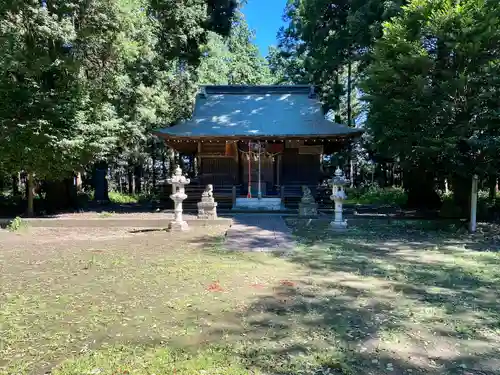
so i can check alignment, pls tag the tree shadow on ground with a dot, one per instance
(376, 300)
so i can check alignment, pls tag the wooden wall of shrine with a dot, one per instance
(218, 164)
(287, 162)
(300, 167)
(225, 163)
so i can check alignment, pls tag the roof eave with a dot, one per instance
(260, 136)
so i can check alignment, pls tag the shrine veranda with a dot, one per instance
(257, 145)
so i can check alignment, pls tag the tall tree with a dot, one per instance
(82, 80)
(246, 64)
(325, 39)
(184, 27)
(56, 59)
(287, 60)
(214, 68)
(234, 59)
(431, 91)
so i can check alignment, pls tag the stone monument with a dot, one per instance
(207, 208)
(307, 205)
(178, 196)
(338, 196)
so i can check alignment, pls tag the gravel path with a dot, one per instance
(259, 233)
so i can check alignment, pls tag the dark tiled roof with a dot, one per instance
(257, 111)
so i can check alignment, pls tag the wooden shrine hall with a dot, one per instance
(258, 144)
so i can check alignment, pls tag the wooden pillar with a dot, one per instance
(198, 159)
(278, 170)
(473, 205)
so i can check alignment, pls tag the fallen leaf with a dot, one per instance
(257, 286)
(287, 283)
(215, 287)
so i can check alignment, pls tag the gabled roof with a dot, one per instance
(257, 111)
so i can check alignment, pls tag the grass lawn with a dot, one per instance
(381, 299)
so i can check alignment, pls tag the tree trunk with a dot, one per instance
(351, 172)
(384, 171)
(16, 180)
(153, 169)
(492, 187)
(163, 163)
(138, 179)
(349, 90)
(100, 182)
(131, 179)
(30, 195)
(78, 182)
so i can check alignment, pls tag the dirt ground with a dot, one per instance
(383, 298)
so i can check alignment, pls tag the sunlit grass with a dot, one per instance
(341, 304)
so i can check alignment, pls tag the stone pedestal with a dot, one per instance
(178, 226)
(308, 209)
(338, 197)
(178, 181)
(338, 222)
(264, 204)
(307, 205)
(207, 208)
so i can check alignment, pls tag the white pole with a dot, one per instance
(473, 205)
(260, 192)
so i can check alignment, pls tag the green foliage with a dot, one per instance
(487, 209)
(55, 65)
(323, 37)
(87, 81)
(376, 195)
(16, 224)
(105, 214)
(184, 28)
(122, 198)
(122, 360)
(287, 61)
(430, 89)
(234, 59)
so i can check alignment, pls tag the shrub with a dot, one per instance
(121, 198)
(487, 209)
(16, 224)
(373, 194)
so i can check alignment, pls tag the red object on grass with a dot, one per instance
(259, 286)
(215, 287)
(287, 283)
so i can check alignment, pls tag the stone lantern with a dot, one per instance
(338, 184)
(178, 181)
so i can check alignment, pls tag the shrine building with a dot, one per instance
(257, 145)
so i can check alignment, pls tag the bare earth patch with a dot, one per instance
(386, 299)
